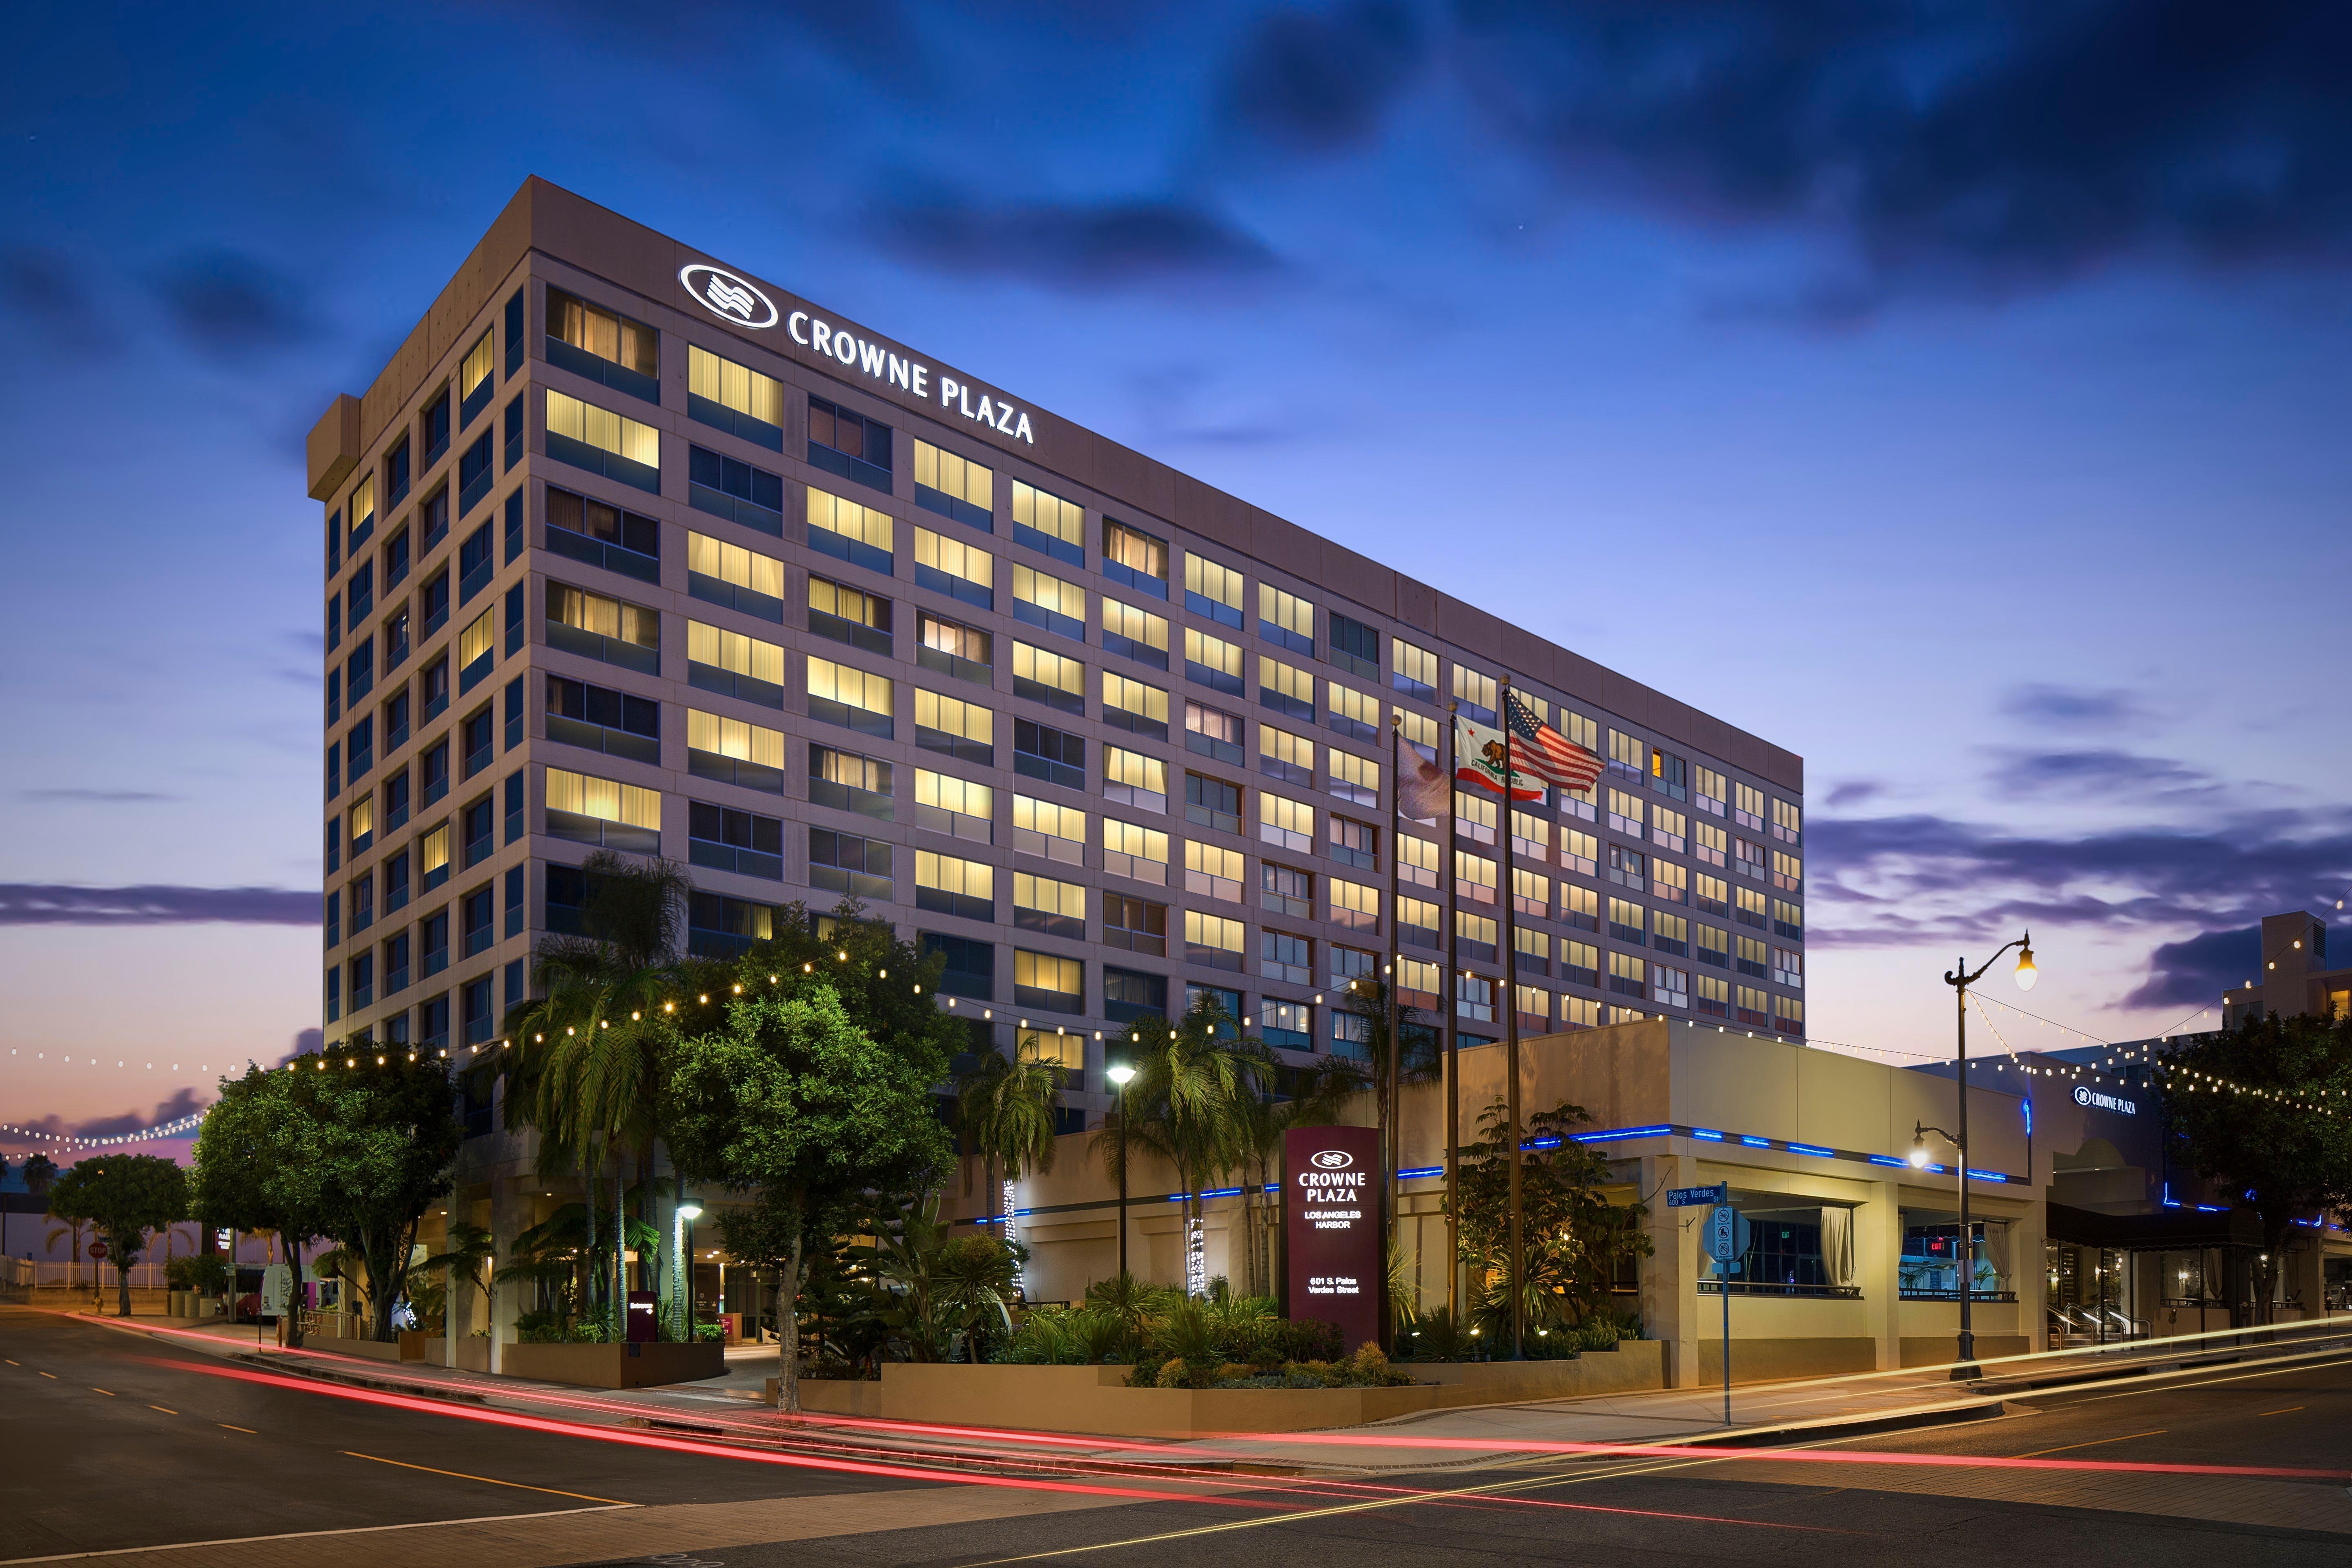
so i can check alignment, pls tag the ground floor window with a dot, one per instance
(1930, 1269)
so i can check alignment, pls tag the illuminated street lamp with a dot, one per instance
(1120, 1074)
(681, 1250)
(1959, 980)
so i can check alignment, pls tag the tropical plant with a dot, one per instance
(1006, 1113)
(126, 1198)
(207, 1275)
(468, 1253)
(1186, 1103)
(783, 1095)
(975, 1281)
(37, 1173)
(1572, 1235)
(2242, 1109)
(1318, 1095)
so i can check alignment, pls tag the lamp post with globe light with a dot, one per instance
(1119, 1073)
(682, 1250)
(1960, 979)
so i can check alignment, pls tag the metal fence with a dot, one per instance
(83, 1276)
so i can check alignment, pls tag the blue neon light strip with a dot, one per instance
(1811, 1149)
(1888, 1160)
(1414, 1176)
(1756, 1142)
(1709, 1136)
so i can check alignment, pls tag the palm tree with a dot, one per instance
(38, 1171)
(1191, 1079)
(594, 1045)
(468, 1251)
(1419, 1058)
(1006, 1112)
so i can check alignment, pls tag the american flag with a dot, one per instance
(1538, 749)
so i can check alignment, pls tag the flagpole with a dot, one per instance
(1389, 996)
(1453, 1054)
(1507, 890)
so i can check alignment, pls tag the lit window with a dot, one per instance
(603, 429)
(734, 564)
(732, 386)
(739, 655)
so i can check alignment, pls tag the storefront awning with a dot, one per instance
(2166, 1230)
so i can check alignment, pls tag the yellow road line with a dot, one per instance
(248, 1430)
(2093, 1443)
(492, 1481)
(11, 1363)
(2288, 1411)
(165, 1412)
(50, 1376)
(108, 1391)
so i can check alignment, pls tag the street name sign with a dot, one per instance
(1697, 1197)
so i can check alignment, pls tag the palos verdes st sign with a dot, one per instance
(741, 302)
(1331, 1228)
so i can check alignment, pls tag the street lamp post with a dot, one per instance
(1959, 979)
(1118, 1076)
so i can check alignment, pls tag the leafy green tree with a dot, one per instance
(324, 1147)
(2264, 1112)
(803, 1087)
(1574, 1235)
(125, 1198)
(1006, 1113)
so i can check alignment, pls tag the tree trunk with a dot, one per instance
(788, 1328)
(293, 1320)
(122, 1279)
(588, 1247)
(620, 1251)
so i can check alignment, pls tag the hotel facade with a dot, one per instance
(629, 548)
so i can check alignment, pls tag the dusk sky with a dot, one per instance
(1952, 394)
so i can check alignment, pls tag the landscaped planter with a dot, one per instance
(616, 1367)
(1096, 1399)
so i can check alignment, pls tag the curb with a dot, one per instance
(379, 1384)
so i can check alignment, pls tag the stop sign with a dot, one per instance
(98, 1251)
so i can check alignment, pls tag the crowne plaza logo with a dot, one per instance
(726, 296)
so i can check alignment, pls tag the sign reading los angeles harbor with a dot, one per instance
(1331, 1228)
(740, 301)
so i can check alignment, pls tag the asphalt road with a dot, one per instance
(111, 1439)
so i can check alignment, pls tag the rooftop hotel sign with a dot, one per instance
(740, 302)
(1331, 1228)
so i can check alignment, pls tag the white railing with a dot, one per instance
(82, 1276)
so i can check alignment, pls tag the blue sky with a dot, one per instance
(1952, 394)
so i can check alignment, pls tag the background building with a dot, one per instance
(629, 549)
(2294, 977)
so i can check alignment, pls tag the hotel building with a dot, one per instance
(629, 548)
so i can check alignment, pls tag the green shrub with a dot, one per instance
(209, 1275)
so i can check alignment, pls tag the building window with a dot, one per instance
(1212, 589)
(1669, 774)
(1285, 1026)
(853, 698)
(948, 885)
(737, 490)
(1286, 823)
(734, 398)
(1714, 995)
(1135, 558)
(1789, 1015)
(600, 718)
(1212, 803)
(1629, 755)
(1040, 675)
(723, 840)
(1353, 778)
(1710, 845)
(1042, 980)
(1283, 890)
(1287, 690)
(1712, 945)
(1134, 851)
(1134, 633)
(1580, 963)
(1129, 994)
(1473, 998)
(1788, 871)
(948, 725)
(1048, 603)
(1625, 975)
(1788, 918)
(1139, 925)
(1285, 958)
(1133, 705)
(1054, 757)
(1353, 713)
(1417, 922)
(1752, 957)
(1355, 646)
(609, 630)
(1212, 733)
(1286, 620)
(590, 810)
(1667, 828)
(1416, 861)
(1751, 1006)
(603, 345)
(955, 487)
(1475, 692)
(1628, 868)
(1748, 909)
(602, 442)
(848, 531)
(969, 966)
(1669, 986)
(1354, 843)
(961, 571)
(1053, 908)
(1414, 669)
(1052, 831)
(1213, 941)
(849, 445)
(946, 804)
(1669, 881)
(1351, 1035)
(1710, 895)
(1476, 935)
(849, 616)
(1710, 791)
(1747, 806)
(1531, 893)
(848, 864)
(1131, 778)
(1213, 871)
(1788, 966)
(1213, 662)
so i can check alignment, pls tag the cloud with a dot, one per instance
(2186, 973)
(230, 306)
(1854, 792)
(1086, 246)
(35, 903)
(1945, 149)
(46, 289)
(1316, 80)
(184, 1102)
(2111, 774)
(2072, 708)
(97, 796)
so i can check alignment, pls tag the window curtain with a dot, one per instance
(1837, 1245)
